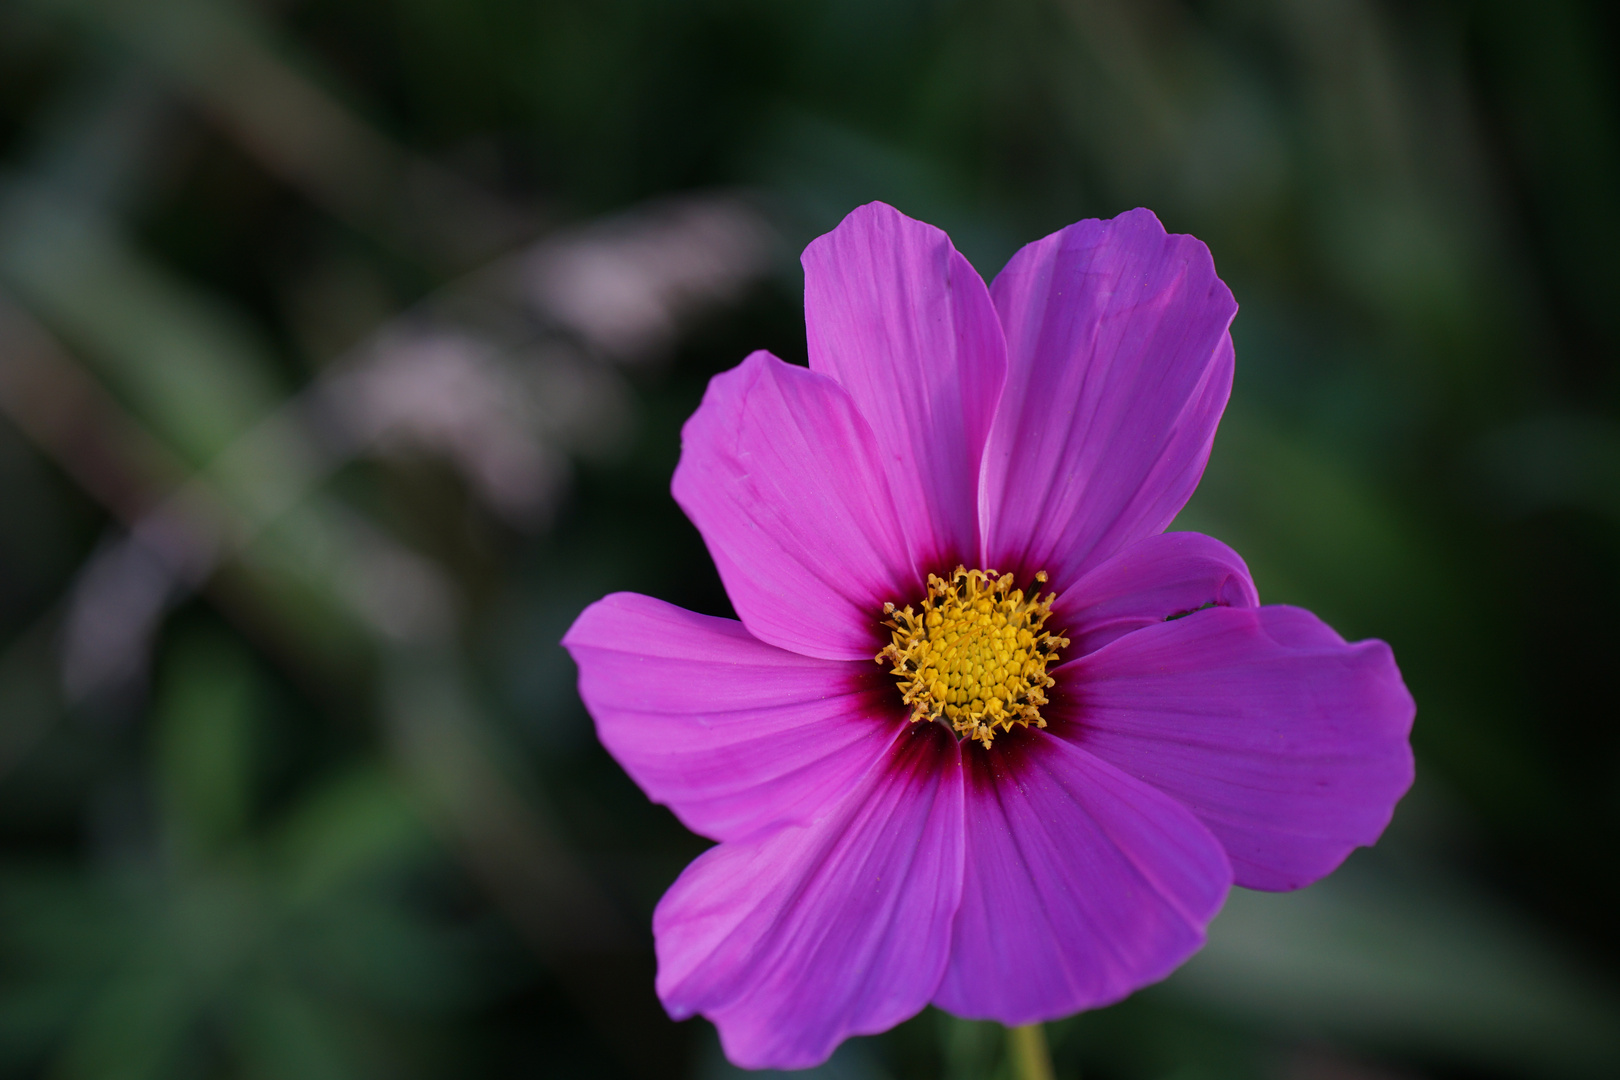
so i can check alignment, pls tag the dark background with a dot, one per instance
(343, 351)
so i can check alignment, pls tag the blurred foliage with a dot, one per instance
(343, 351)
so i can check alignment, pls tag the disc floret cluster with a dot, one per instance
(976, 654)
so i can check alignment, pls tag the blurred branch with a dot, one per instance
(462, 374)
(174, 545)
(191, 365)
(228, 59)
(66, 412)
(505, 372)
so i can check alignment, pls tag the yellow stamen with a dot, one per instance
(976, 654)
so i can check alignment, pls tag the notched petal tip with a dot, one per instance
(1119, 367)
(1082, 884)
(1141, 227)
(900, 319)
(781, 474)
(795, 939)
(1291, 744)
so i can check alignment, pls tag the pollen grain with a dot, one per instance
(976, 655)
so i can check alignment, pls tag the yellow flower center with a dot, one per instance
(976, 654)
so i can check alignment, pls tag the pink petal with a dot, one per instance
(1118, 368)
(1081, 885)
(781, 475)
(1155, 579)
(794, 941)
(730, 733)
(906, 325)
(1291, 745)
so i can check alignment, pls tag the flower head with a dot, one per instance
(1080, 730)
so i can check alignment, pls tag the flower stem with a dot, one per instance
(1026, 1047)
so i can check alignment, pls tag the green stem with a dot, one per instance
(1026, 1048)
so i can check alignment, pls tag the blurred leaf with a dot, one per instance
(1407, 962)
(135, 1028)
(374, 949)
(206, 727)
(57, 945)
(348, 830)
(285, 1036)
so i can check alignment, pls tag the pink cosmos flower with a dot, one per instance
(1081, 730)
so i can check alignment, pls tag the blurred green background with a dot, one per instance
(344, 346)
